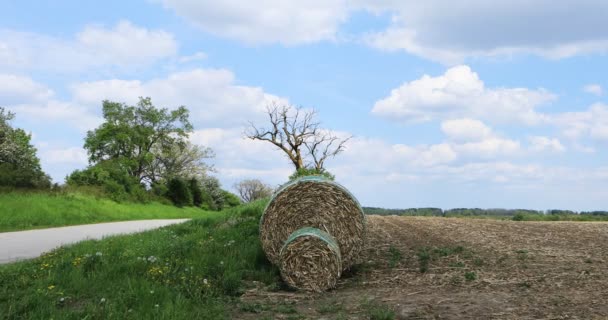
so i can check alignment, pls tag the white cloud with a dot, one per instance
(594, 89)
(19, 89)
(34, 102)
(460, 93)
(445, 32)
(71, 155)
(489, 148)
(238, 158)
(194, 57)
(452, 32)
(124, 46)
(287, 22)
(60, 112)
(540, 143)
(211, 95)
(592, 123)
(425, 155)
(465, 130)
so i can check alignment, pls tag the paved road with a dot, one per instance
(32, 243)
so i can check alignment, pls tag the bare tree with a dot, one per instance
(252, 189)
(324, 145)
(294, 131)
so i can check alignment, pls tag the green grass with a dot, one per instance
(188, 271)
(378, 311)
(395, 256)
(470, 276)
(426, 255)
(21, 211)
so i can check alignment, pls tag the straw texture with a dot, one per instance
(310, 260)
(318, 203)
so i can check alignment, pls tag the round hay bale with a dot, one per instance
(316, 202)
(310, 260)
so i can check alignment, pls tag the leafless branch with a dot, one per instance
(293, 129)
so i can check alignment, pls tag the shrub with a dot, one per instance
(518, 217)
(213, 195)
(230, 199)
(113, 178)
(179, 192)
(311, 172)
(197, 193)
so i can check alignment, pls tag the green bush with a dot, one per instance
(230, 199)
(519, 217)
(179, 192)
(213, 195)
(113, 178)
(302, 172)
(159, 189)
(197, 192)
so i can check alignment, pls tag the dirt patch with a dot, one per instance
(450, 268)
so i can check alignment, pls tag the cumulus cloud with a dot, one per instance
(465, 130)
(211, 95)
(489, 148)
(193, 57)
(71, 155)
(238, 158)
(33, 101)
(124, 46)
(59, 112)
(19, 89)
(274, 21)
(445, 32)
(487, 161)
(452, 32)
(594, 89)
(460, 93)
(540, 143)
(592, 123)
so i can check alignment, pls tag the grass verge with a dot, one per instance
(22, 211)
(188, 271)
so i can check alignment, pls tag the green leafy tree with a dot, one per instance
(131, 136)
(19, 165)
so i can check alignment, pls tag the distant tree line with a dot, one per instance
(464, 212)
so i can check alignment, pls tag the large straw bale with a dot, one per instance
(313, 202)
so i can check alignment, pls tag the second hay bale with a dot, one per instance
(310, 260)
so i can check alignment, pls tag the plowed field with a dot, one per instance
(450, 268)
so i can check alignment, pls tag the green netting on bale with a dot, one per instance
(313, 201)
(308, 231)
(310, 260)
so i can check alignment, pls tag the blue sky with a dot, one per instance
(500, 104)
